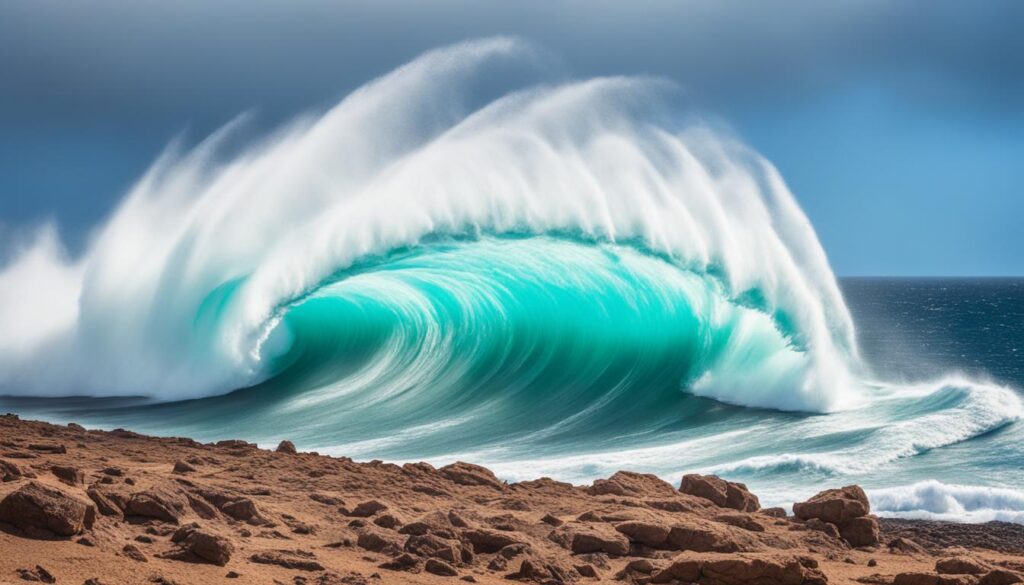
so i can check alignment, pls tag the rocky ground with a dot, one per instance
(93, 507)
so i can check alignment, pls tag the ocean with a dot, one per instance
(557, 279)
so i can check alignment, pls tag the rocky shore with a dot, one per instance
(93, 507)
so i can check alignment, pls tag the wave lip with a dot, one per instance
(934, 500)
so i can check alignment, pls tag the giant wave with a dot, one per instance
(443, 263)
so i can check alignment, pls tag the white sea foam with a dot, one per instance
(940, 501)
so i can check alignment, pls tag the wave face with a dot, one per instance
(468, 256)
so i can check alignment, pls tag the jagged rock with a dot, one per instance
(157, 504)
(388, 520)
(39, 510)
(197, 545)
(375, 541)
(10, 471)
(722, 493)
(403, 562)
(132, 552)
(645, 533)
(961, 565)
(469, 474)
(183, 467)
(236, 506)
(627, 483)
(38, 574)
(69, 475)
(861, 531)
(286, 447)
(837, 506)
(290, 559)
(552, 520)
(439, 567)
(906, 546)
(104, 504)
(368, 508)
(428, 545)
(485, 540)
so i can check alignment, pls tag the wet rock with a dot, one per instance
(645, 533)
(439, 567)
(722, 493)
(41, 510)
(837, 506)
(286, 447)
(469, 474)
(290, 559)
(69, 475)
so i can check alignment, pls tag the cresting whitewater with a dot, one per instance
(556, 278)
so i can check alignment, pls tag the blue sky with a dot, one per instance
(898, 124)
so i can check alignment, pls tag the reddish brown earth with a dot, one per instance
(95, 507)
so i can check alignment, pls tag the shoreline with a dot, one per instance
(172, 510)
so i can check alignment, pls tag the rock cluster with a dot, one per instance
(844, 511)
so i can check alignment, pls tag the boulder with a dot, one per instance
(286, 447)
(368, 508)
(822, 526)
(438, 567)
(1000, 577)
(485, 540)
(469, 474)
(961, 565)
(183, 467)
(156, 504)
(739, 520)
(902, 545)
(598, 539)
(861, 531)
(628, 483)
(104, 504)
(200, 546)
(10, 471)
(236, 506)
(645, 533)
(40, 510)
(722, 493)
(837, 506)
(428, 545)
(72, 476)
(701, 536)
(918, 578)
(375, 541)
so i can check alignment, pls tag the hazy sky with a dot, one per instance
(898, 124)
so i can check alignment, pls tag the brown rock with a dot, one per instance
(1000, 577)
(627, 483)
(722, 493)
(132, 552)
(598, 539)
(403, 562)
(913, 578)
(906, 546)
(961, 565)
(38, 509)
(69, 475)
(428, 545)
(375, 541)
(9, 471)
(645, 533)
(236, 506)
(739, 520)
(469, 474)
(439, 567)
(105, 505)
(715, 570)
(286, 447)
(368, 508)
(822, 526)
(38, 574)
(485, 540)
(774, 512)
(837, 506)
(290, 559)
(156, 504)
(700, 536)
(183, 467)
(388, 520)
(861, 531)
(197, 545)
